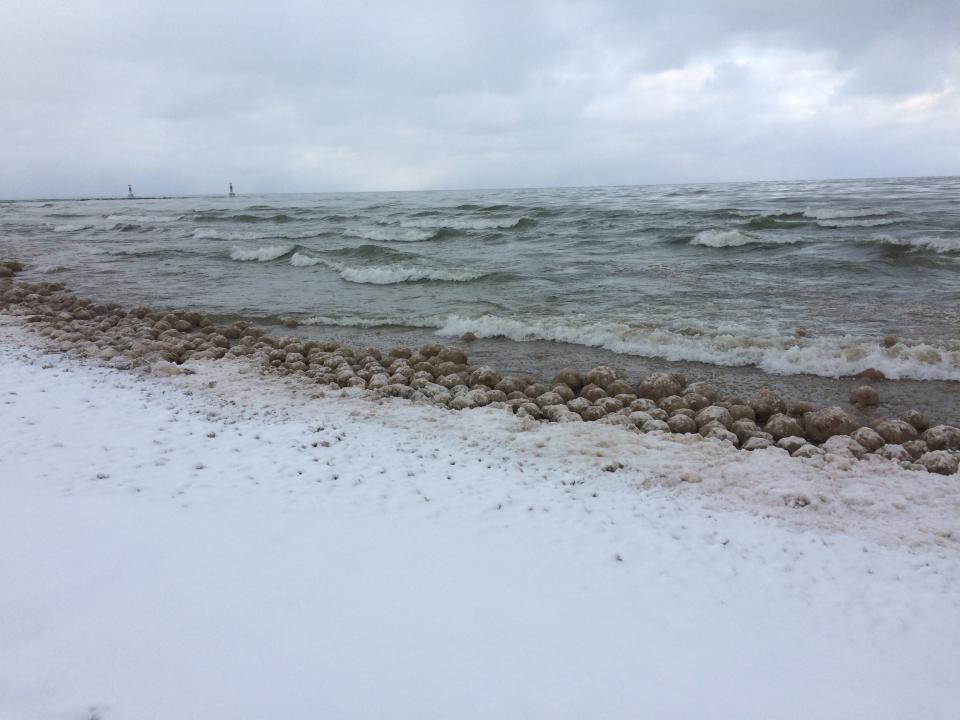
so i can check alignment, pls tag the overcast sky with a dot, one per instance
(299, 96)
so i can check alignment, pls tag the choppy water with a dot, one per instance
(789, 278)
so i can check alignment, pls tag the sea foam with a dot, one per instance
(942, 245)
(260, 254)
(388, 234)
(391, 275)
(723, 238)
(299, 259)
(384, 274)
(733, 346)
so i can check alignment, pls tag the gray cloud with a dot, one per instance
(178, 97)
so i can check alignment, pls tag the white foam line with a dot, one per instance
(827, 357)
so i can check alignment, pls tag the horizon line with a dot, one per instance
(471, 189)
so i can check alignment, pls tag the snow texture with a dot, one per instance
(224, 545)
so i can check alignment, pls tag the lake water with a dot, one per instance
(794, 284)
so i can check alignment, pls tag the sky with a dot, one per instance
(180, 97)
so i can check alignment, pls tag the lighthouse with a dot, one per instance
(130, 192)
(232, 193)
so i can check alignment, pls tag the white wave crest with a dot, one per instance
(427, 228)
(399, 274)
(260, 254)
(723, 238)
(386, 274)
(835, 213)
(750, 213)
(394, 234)
(777, 354)
(251, 235)
(69, 228)
(301, 260)
(935, 244)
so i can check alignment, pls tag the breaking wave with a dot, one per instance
(735, 238)
(69, 228)
(239, 236)
(814, 217)
(782, 355)
(434, 227)
(388, 234)
(385, 274)
(724, 238)
(299, 259)
(940, 245)
(401, 274)
(260, 254)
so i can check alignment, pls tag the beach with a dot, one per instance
(220, 538)
(478, 361)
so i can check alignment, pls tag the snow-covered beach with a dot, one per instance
(479, 361)
(222, 544)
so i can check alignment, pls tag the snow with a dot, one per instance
(221, 545)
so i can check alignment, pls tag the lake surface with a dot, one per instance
(792, 283)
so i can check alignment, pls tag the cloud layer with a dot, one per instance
(179, 97)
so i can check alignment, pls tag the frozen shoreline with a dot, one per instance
(248, 550)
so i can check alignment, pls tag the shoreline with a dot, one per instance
(713, 357)
(543, 358)
(441, 375)
(824, 492)
(698, 458)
